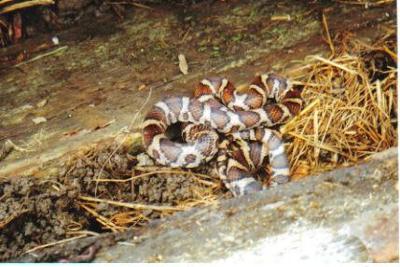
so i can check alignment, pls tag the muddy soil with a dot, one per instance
(35, 212)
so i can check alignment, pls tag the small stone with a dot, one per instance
(55, 40)
(144, 160)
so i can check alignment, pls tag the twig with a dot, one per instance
(55, 51)
(132, 205)
(26, 4)
(390, 52)
(281, 18)
(363, 3)
(331, 46)
(101, 219)
(83, 232)
(54, 243)
(141, 6)
(3, 2)
(340, 66)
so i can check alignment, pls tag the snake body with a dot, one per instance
(218, 110)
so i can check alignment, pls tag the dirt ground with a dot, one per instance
(88, 91)
(41, 211)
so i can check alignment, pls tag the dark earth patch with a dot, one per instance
(35, 211)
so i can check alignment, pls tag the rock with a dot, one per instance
(338, 216)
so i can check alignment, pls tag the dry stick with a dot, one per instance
(54, 243)
(377, 3)
(316, 125)
(325, 23)
(25, 5)
(141, 6)
(86, 232)
(103, 220)
(327, 127)
(390, 52)
(297, 152)
(55, 51)
(3, 2)
(340, 66)
(133, 205)
(126, 219)
(281, 18)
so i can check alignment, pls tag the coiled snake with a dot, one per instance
(219, 111)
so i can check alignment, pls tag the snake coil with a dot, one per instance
(242, 119)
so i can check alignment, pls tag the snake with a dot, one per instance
(235, 126)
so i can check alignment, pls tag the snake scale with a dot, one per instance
(232, 125)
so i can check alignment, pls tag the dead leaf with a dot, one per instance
(183, 66)
(141, 87)
(41, 103)
(38, 120)
(281, 18)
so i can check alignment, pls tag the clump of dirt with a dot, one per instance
(34, 212)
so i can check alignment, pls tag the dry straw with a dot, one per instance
(347, 116)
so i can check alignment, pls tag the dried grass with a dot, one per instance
(133, 214)
(347, 116)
